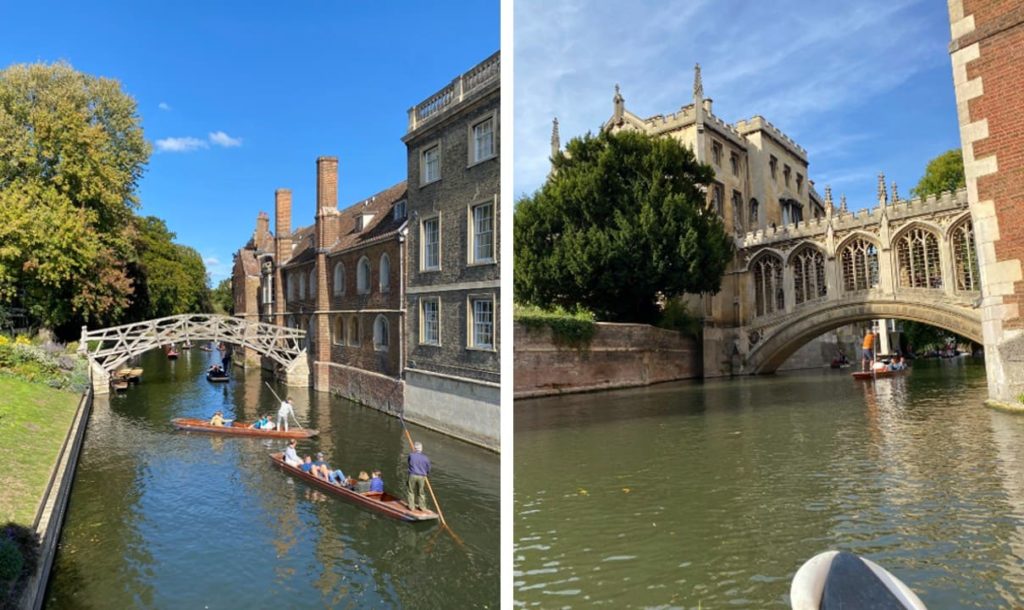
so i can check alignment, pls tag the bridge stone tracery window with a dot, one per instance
(809, 275)
(769, 296)
(859, 261)
(917, 257)
(965, 258)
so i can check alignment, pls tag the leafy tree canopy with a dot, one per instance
(621, 223)
(943, 173)
(224, 298)
(71, 154)
(172, 277)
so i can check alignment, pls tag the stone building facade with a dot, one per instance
(359, 280)
(987, 53)
(453, 295)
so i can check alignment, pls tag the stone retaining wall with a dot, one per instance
(50, 515)
(618, 356)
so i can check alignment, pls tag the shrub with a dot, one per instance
(573, 328)
(676, 316)
(19, 555)
(44, 365)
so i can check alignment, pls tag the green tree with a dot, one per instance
(71, 154)
(943, 173)
(171, 278)
(620, 224)
(224, 298)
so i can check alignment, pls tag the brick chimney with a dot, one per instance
(326, 183)
(283, 224)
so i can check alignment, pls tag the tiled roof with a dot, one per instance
(250, 265)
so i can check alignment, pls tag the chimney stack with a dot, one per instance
(283, 224)
(262, 224)
(326, 183)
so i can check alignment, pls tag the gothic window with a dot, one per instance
(339, 330)
(353, 330)
(965, 258)
(363, 276)
(799, 184)
(785, 174)
(737, 208)
(769, 296)
(808, 275)
(716, 152)
(385, 272)
(381, 333)
(753, 215)
(773, 166)
(339, 279)
(734, 162)
(917, 257)
(792, 211)
(717, 199)
(859, 261)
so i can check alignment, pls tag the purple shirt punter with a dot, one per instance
(419, 464)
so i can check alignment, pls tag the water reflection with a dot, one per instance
(713, 494)
(164, 519)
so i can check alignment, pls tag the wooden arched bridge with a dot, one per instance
(110, 348)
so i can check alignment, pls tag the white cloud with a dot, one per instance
(222, 139)
(211, 260)
(186, 144)
(163, 106)
(804, 66)
(217, 270)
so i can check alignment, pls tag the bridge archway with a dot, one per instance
(792, 333)
(112, 347)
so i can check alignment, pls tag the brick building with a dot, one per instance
(987, 53)
(452, 370)
(358, 279)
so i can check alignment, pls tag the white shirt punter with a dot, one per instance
(282, 415)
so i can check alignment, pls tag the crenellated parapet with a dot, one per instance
(759, 123)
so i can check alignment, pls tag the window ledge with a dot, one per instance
(481, 161)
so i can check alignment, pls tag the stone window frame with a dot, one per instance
(338, 330)
(421, 335)
(471, 138)
(354, 331)
(717, 191)
(753, 214)
(384, 269)
(471, 257)
(716, 152)
(338, 279)
(773, 167)
(399, 210)
(964, 256)
(423, 243)
(734, 163)
(364, 275)
(787, 173)
(423, 150)
(471, 300)
(378, 345)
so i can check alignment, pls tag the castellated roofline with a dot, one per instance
(759, 123)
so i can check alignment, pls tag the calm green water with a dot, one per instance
(712, 495)
(165, 519)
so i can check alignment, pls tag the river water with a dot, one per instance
(165, 519)
(711, 495)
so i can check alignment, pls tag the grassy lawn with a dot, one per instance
(34, 419)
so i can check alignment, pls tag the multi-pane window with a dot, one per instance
(917, 257)
(483, 140)
(385, 272)
(338, 281)
(965, 258)
(363, 276)
(483, 323)
(381, 332)
(483, 232)
(769, 296)
(808, 275)
(399, 210)
(716, 152)
(734, 163)
(859, 261)
(430, 322)
(432, 164)
(431, 237)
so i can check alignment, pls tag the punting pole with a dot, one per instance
(430, 487)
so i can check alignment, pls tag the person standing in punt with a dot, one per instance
(419, 469)
(283, 413)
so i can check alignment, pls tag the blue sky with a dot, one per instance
(865, 86)
(239, 98)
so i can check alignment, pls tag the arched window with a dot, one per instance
(302, 285)
(385, 272)
(917, 258)
(338, 282)
(353, 330)
(381, 332)
(965, 258)
(859, 261)
(808, 275)
(769, 296)
(339, 330)
(752, 215)
(312, 283)
(363, 276)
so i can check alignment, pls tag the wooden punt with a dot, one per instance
(869, 375)
(172, 355)
(119, 385)
(131, 375)
(238, 429)
(217, 378)
(376, 501)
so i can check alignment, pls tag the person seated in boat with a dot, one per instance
(269, 424)
(217, 419)
(376, 483)
(307, 465)
(290, 456)
(879, 366)
(338, 478)
(363, 484)
(320, 468)
(897, 363)
(259, 423)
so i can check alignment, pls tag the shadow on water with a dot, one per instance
(159, 518)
